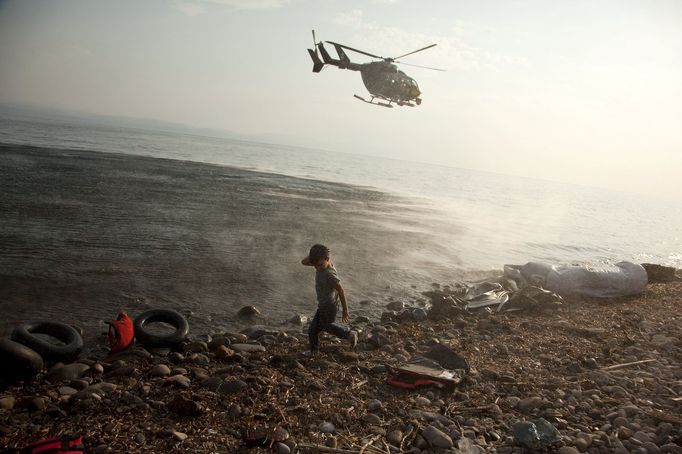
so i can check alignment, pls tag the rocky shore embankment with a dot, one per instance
(605, 374)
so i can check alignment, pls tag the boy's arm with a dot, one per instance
(306, 261)
(342, 296)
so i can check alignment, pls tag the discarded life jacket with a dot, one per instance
(64, 444)
(121, 333)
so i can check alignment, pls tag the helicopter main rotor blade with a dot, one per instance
(414, 52)
(419, 66)
(355, 50)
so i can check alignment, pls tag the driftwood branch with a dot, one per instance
(620, 366)
(661, 416)
(327, 449)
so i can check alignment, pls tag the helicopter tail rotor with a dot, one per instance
(317, 63)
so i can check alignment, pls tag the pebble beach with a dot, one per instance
(605, 373)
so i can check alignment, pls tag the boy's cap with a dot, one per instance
(317, 253)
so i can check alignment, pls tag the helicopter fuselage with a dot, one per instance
(384, 80)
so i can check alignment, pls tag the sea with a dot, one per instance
(395, 227)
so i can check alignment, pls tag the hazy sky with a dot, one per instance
(580, 91)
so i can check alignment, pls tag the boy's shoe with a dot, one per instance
(309, 353)
(353, 338)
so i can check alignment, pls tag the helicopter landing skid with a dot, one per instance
(371, 101)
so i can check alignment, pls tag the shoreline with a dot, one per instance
(86, 233)
(607, 374)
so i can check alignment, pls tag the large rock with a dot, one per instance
(298, 320)
(185, 407)
(395, 306)
(436, 438)
(248, 311)
(232, 386)
(219, 341)
(67, 372)
(247, 348)
(659, 273)
(529, 404)
(160, 370)
(99, 389)
(258, 331)
(133, 354)
(179, 381)
(223, 352)
(212, 383)
(124, 371)
(7, 403)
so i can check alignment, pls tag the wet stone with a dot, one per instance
(236, 337)
(248, 311)
(184, 407)
(234, 411)
(620, 422)
(529, 404)
(327, 427)
(179, 381)
(422, 401)
(33, 403)
(160, 370)
(641, 436)
(371, 418)
(436, 438)
(196, 347)
(179, 436)
(80, 383)
(67, 372)
(247, 348)
(176, 357)
(212, 383)
(223, 352)
(567, 450)
(298, 320)
(581, 444)
(161, 351)
(200, 359)
(232, 386)
(7, 403)
(395, 306)
(374, 405)
(123, 371)
(348, 357)
(219, 341)
(394, 437)
(67, 391)
(281, 448)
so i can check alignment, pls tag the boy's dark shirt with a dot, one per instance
(325, 287)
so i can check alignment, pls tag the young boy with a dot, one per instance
(329, 292)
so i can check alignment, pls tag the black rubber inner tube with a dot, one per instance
(145, 337)
(18, 361)
(73, 342)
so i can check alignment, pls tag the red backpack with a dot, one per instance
(65, 445)
(121, 332)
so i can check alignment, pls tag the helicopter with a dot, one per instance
(383, 80)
